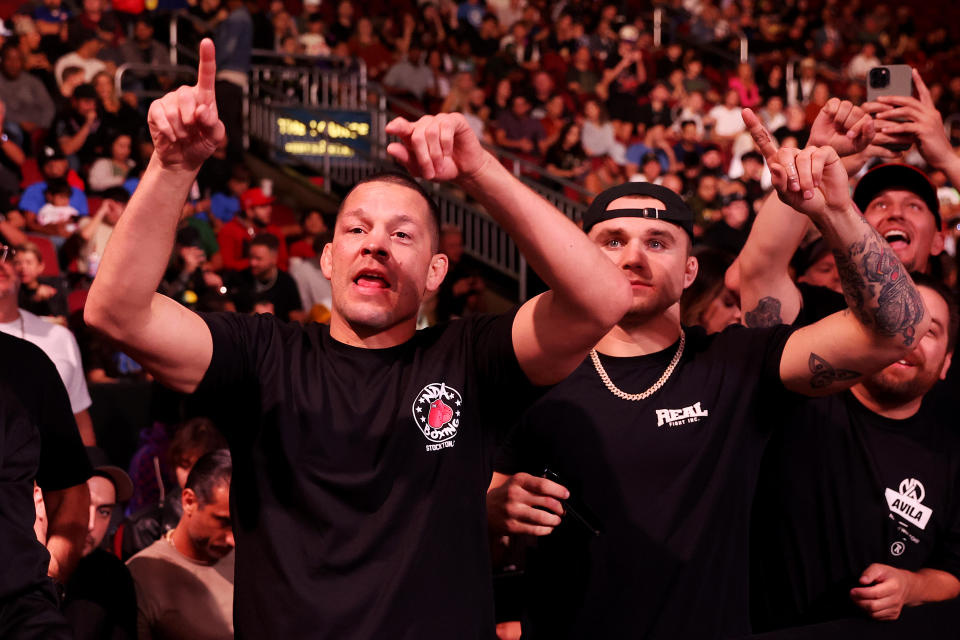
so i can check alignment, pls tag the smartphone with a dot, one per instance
(889, 80)
(573, 507)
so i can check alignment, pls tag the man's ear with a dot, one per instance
(188, 498)
(690, 271)
(326, 261)
(439, 264)
(936, 247)
(946, 365)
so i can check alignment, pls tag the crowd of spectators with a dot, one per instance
(576, 88)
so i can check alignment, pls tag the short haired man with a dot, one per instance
(185, 580)
(655, 440)
(263, 281)
(363, 447)
(100, 600)
(254, 218)
(856, 511)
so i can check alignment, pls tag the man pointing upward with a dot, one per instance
(361, 451)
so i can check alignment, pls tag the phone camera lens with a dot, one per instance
(879, 77)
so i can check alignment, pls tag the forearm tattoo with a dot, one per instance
(877, 287)
(765, 314)
(824, 374)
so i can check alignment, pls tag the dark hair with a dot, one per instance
(942, 290)
(404, 180)
(211, 471)
(240, 172)
(267, 240)
(197, 435)
(323, 238)
(709, 284)
(117, 194)
(307, 213)
(58, 187)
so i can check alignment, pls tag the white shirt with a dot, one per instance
(90, 66)
(729, 121)
(61, 347)
(313, 286)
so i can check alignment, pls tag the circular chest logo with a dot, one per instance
(437, 412)
(912, 488)
(897, 548)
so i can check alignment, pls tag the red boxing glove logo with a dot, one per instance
(440, 414)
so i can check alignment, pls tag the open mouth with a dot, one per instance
(371, 280)
(897, 239)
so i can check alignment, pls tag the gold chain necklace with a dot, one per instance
(623, 395)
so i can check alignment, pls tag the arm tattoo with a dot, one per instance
(877, 287)
(765, 314)
(824, 374)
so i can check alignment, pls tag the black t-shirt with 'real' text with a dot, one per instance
(842, 488)
(38, 441)
(668, 481)
(360, 476)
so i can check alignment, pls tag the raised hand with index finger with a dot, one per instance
(813, 180)
(184, 124)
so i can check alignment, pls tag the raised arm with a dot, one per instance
(768, 296)
(171, 342)
(886, 313)
(553, 332)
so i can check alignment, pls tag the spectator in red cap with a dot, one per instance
(254, 218)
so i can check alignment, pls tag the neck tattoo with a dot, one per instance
(623, 395)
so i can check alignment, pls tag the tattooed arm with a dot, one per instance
(768, 295)
(885, 313)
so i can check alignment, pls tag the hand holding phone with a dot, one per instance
(905, 118)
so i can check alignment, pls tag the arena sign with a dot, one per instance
(315, 133)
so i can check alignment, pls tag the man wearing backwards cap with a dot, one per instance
(654, 441)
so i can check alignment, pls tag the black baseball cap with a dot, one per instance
(676, 211)
(102, 467)
(897, 176)
(51, 152)
(85, 90)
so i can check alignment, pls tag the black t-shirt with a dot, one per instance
(283, 293)
(667, 480)
(723, 237)
(38, 441)
(101, 600)
(69, 124)
(360, 475)
(842, 488)
(817, 303)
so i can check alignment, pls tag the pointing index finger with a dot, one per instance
(761, 136)
(207, 71)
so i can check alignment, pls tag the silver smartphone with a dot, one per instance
(889, 80)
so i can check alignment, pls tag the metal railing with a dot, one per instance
(338, 83)
(188, 74)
